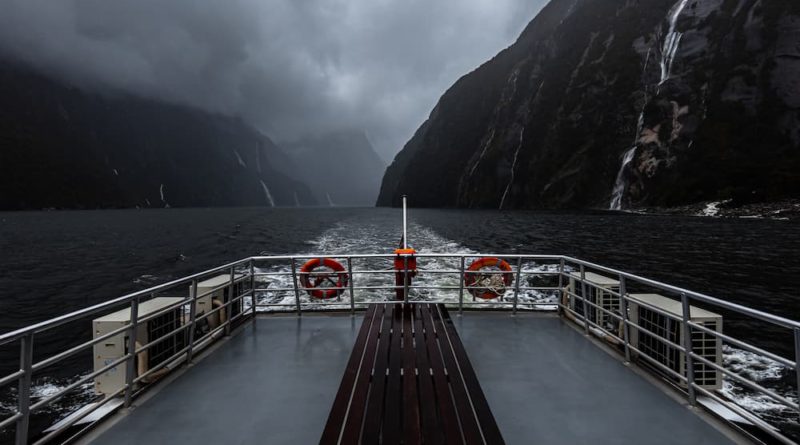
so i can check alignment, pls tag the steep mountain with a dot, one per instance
(62, 147)
(619, 103)
(341, 168)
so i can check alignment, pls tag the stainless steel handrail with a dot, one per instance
(755, 313)
(80, 313)
(558, 266)
(685, 297)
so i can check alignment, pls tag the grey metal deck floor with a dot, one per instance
(545, 382)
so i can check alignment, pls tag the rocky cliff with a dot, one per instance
(620, 104)
(61, 147)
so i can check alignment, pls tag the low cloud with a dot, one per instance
(290, 67)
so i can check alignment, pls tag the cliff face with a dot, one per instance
(341, 168)
(61, 147)
(619, 103)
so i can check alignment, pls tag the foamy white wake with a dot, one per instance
(765, 372)
(46, 387)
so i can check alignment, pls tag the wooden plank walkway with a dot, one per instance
(409, 381)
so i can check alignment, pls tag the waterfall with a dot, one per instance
(163, 199)
(483, 152)
(619, 186)
(258, 157)
(668, 52)
(296, 201)
(330, 201)
(513, 167)
(672, 41)
(267, 194)
(239, 159)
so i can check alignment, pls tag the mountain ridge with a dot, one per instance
(550, 121)
(64, 147)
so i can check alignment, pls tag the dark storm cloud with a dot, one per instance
(290, 67)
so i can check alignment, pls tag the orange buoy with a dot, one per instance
(475, 274)
(403, 257)
(312, 281)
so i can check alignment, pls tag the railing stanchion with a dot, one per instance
(687, 345)
(561, 285)
(516, 285)
(24, 391)
(405, 279)
(296, 288)
(623, 305)
(228, 309)
(797, 359)
(130, 364)
(253, 288)
(461, 288)
(584, 298)
(350, 280)
(192, 320)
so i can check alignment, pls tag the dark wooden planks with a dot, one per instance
(491, 432)
(374, 417)
(447, 411)
(343, 396)
(431, 429)
(463, 404)
(392, 422)
(409, 381)
(352, 427)
(411, 408)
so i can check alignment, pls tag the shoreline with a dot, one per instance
(784, 210)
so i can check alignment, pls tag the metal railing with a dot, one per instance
(685, 347)
(376, 281)
(273, 283)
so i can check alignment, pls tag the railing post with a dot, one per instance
(228, 309)
(461, 288)
(687, 345)
(797, 359)
(130, 364)
(516, 285)
(24, 391)
(405, 279)
(253, 288)
(623, 305)
(192, 319)
(584, 297)
(296, 289)
(350, 280)
(561, 285)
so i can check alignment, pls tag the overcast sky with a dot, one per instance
(289, 67)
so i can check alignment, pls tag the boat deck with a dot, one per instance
(275, 381)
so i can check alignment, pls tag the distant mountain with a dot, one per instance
(341, 168)
(619, 103)
(61, 147)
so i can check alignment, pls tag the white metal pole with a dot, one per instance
(405, 224)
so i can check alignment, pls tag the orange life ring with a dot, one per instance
(310, 281)
(472, 276)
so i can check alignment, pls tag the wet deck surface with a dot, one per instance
(545, 383)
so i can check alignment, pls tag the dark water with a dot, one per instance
(752, 262)
(56, 262)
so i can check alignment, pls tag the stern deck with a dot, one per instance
(275, 380)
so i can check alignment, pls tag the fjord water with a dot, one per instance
(56, 262)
